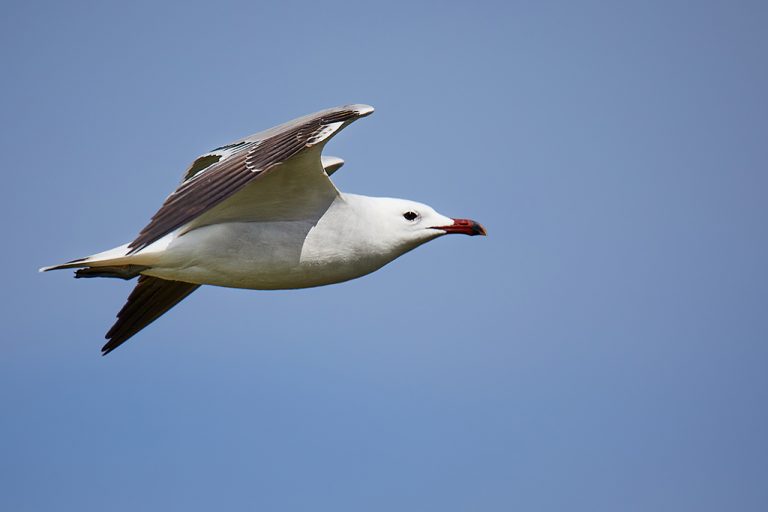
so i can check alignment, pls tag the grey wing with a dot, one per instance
(217, 176)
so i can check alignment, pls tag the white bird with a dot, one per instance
(262, 213)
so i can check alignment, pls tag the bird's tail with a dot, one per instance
(149, 300)
(112, 263)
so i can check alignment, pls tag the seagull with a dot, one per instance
(262, 213)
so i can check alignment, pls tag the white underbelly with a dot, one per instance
(259, 255)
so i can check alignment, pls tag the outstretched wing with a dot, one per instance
(148, 301)
(217, 176)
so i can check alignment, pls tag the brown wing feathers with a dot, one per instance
(224, 178)
(147, 302)
(194, 197)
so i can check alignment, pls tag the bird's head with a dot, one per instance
(409, 224)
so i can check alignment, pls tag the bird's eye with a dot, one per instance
(410, 215)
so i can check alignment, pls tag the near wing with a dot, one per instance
(214, 177)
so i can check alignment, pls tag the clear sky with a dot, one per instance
(605, 347)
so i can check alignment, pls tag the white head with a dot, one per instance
(399, 225)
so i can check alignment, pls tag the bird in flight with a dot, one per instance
(262, 213)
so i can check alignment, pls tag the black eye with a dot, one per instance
(410, 215)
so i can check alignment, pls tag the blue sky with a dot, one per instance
(604, 348)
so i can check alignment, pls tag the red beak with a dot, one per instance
(464, 227)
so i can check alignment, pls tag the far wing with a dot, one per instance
(213, 178)
(149, 300)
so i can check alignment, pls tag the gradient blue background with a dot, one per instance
(603, 349)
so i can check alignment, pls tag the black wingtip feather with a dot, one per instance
(149, 300)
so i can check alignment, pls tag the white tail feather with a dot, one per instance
(112, 257)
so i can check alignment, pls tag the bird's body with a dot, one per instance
(268, 255)
(262, 213)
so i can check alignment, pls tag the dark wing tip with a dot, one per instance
(109, 347)
(150, 299)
